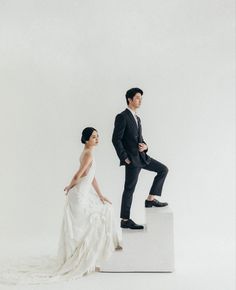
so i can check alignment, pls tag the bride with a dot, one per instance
(88, 233)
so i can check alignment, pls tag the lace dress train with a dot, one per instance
(88, 237)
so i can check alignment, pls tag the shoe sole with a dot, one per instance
(123, 227)
(155, 206)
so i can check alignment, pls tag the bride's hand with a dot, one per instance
(66, 189)
(104, 199)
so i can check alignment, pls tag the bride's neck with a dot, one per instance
(87, 147)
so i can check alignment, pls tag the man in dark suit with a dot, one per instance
(132, 151)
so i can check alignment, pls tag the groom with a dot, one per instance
(131, 149)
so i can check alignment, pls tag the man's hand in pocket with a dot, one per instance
(127, 161)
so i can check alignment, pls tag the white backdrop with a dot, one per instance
(66, 65)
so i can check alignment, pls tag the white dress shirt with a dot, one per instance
(134, 115)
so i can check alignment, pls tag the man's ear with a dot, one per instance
(130, 100)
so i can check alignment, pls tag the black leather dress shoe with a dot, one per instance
(130, 224)
(155, 202)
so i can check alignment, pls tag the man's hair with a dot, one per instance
(131, 93)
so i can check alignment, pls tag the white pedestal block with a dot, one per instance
(148, 250)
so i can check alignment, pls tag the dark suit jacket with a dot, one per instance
(125, 138)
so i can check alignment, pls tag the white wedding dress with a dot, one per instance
(88, 237)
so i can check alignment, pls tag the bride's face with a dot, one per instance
(93, 140)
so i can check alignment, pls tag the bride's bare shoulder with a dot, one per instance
(86, 154)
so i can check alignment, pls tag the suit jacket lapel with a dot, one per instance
(132, 119)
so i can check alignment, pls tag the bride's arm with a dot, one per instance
(98, 191)
(87, 159)
(96, 187)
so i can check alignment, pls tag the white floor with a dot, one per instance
(200, 265)
(158, 231)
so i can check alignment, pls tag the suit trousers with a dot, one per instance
(131, 178)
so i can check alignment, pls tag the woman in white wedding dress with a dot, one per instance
(88, 233)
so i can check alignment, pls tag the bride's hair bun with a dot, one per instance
(86, 134)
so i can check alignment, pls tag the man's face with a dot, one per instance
(136, 102)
